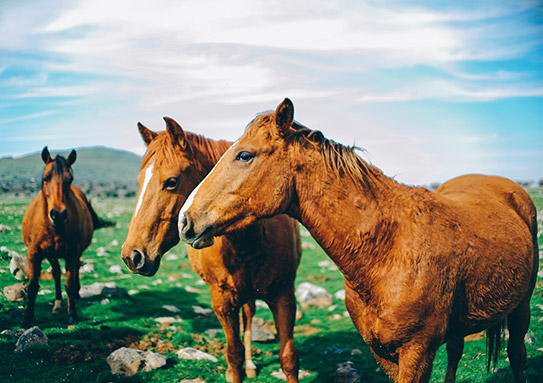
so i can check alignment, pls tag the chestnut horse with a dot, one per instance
(257, 262)
(421, 268)
(58, 223)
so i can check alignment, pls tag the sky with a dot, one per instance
(429, 89)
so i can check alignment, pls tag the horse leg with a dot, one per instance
(248, 312)
(72, 288)
(517, 324)
(56, 276)
(284, 314)
(455, 346)
(390, 368)
(34, 264)
(227, 311)
(415, 363)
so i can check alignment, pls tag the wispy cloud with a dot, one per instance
(127, 61)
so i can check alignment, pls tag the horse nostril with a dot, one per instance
(187, 228)
(53, 214)
(138, 260)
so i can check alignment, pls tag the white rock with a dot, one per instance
(201, 310)
(309, 294)
(192, 353)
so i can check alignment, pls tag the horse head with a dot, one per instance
(56, 182)
(249, 182)
(168, 173)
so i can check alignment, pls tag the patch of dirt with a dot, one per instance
(155, 343)
(316, 279)
(88, 351)
(477, 336)
(305, 330)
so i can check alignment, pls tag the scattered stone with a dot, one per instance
(86, 268)
(114, 243)
(171, 257)
(200, 282)
(190, 289)
(309, 294)
(355, 351)
(308, 246)
(347, 373)
(4, 228)
(157, 282)
(197, 380)
(340, 295)
(192, 353)
(281, 375)
(187, 276)
(168, 320)
(101, 252)
(99, 288)
(529, 338)
(261, 331)
(133, 292)
(128, 361)
(171, 308)
(31, 338)
(116, 269)
(201, 310)
(325, 263)
(16, 292)
(212, 333)
(18, 266)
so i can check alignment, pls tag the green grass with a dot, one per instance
(78, 355)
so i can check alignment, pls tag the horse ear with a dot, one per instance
(45, 156)
(284, 115)
(176, 132)
(72, 157)
(147, 134)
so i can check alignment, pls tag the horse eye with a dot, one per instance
(170, 183)
(244, 156)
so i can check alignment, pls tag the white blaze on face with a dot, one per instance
(190, 198)
(148, 175)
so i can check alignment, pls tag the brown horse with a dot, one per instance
(58, 223)
(257, 262)
(421, 268)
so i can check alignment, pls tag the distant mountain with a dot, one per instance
(93, 166)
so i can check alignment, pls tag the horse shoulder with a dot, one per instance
(34, 221)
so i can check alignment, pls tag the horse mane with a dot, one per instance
(341, 159)
(60, 165)
(207, 151)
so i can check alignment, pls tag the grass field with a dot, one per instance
(323, 338)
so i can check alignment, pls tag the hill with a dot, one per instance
(97, 170)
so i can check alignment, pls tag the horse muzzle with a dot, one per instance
(196, 239)
(138, 263)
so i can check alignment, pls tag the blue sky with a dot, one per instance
(430, 89)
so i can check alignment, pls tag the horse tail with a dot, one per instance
(98, 222)
(494, 336)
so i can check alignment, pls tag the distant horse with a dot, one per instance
(58, 223)
(257, 262)
(421, 268)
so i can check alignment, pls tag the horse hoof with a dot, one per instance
(250, 372)
(229, 376)
(57, 307)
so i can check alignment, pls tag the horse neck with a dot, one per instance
(356, 227)
(207, 150)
